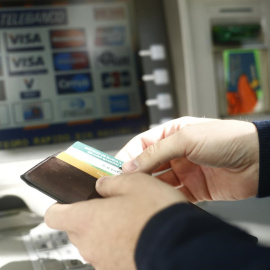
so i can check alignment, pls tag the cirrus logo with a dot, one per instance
(70, 84)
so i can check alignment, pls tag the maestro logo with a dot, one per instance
(70, 61)
(71, 84)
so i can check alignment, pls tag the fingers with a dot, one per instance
(112, 186)
(116, 190)
(62, 212)
(63, 216)
(139, 143)
(221, 143)
(109, 186)
(158, 145)
(159, 153)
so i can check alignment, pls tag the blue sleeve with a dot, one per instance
(263, 128)
(181, 237)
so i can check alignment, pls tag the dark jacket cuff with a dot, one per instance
(186, 237)
(263, 128)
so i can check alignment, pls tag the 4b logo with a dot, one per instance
(115, 79)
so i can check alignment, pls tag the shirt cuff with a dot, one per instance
(263, 128)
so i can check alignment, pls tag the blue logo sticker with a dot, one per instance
(71, 84)
(30, 94)
(32, 113)
(119, 103)
(70, 61)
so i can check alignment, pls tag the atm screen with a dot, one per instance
(69, 71)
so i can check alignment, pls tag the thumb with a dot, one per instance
(110, 186)
(171, 147)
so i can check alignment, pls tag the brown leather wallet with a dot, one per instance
(61, 181)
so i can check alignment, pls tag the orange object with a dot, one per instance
(244, 100)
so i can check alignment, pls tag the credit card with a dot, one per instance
(91, 160)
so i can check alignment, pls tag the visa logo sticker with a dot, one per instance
(23, 41)
(72, 84)
(91, 160)
(70, 61)
(110, 36)
(21, 64)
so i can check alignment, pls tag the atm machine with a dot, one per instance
(219, 41)
(101, 71)
(221, 62)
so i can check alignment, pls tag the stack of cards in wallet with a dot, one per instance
(71, 175)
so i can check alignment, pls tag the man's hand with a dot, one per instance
(106, 230)
(211, 159)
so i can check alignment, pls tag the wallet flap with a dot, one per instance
(61, 181)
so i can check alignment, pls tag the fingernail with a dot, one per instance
(131, 165)
(101, 180)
